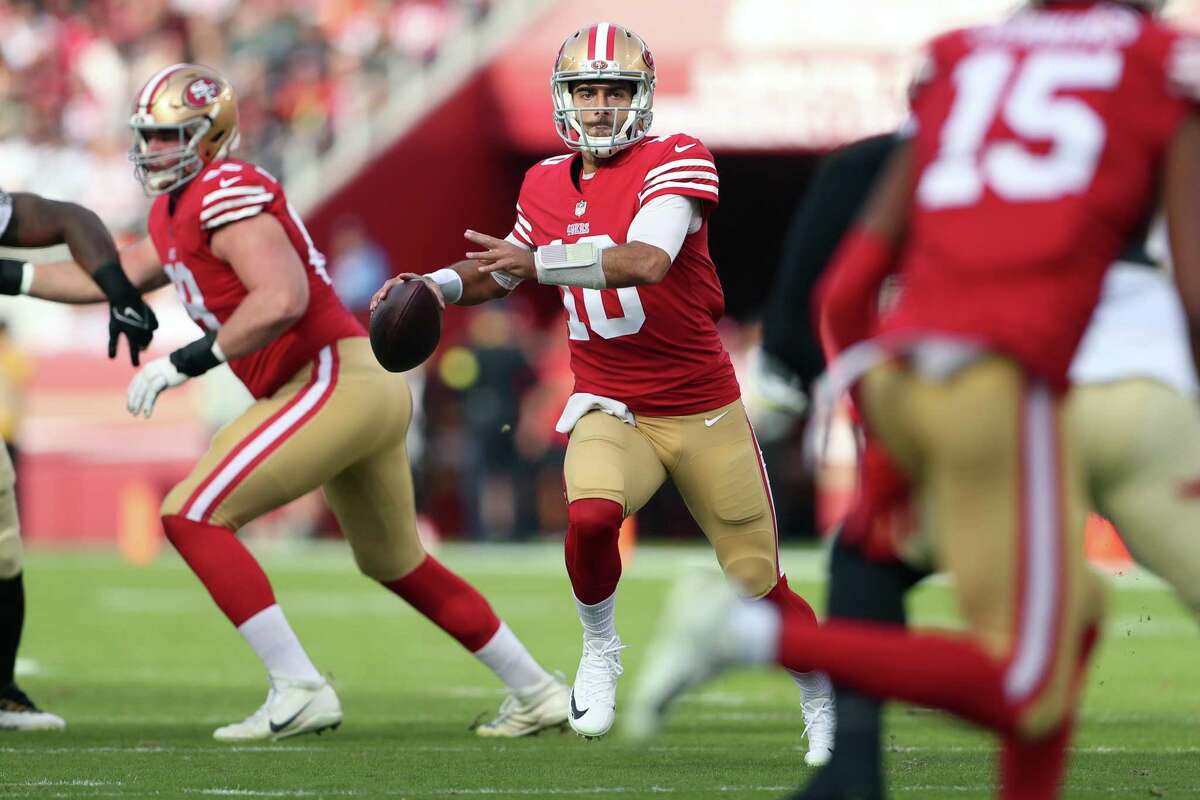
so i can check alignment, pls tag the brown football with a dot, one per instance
(406, 326)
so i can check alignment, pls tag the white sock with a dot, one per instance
(813, 685)
(507, 657)
(276, 644)
(599, 620)
(754, 627)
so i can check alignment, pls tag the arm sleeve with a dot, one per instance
(665, 222)
(827, 212)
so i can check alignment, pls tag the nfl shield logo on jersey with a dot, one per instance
(580, 207)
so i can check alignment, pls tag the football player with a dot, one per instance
(963, 377)
(620, 226)
(326, 414)
(27, 220)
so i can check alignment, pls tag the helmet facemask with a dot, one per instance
(162, 170)
(568, 117)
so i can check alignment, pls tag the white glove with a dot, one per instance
(146, 385)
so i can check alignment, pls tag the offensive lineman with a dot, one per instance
(620, 226)
(946, 408)
(326, 414)
(27, 220)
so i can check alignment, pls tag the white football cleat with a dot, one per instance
(18, 713)
(693, 644)
(531, 712)
(292, 708)
(820, 724)
(594, 695)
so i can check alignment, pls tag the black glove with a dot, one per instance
(198, 357)
(11, 272)
(128, 312)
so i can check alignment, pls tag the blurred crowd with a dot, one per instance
(70, 68)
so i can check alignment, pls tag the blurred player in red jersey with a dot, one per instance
(325, 413)
(1037, 151)
(620, 226)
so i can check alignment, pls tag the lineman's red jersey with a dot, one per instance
(1038, 146)
(654, 347)
(182, 227)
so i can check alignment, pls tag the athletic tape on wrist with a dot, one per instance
(450, 283)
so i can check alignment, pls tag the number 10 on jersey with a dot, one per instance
(633, 315)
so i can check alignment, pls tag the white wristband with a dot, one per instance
(26, 277)
(450, 283)
(570, 265)
(218, 353)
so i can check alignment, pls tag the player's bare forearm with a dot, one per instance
(635, 264)
(261, 318)
(67, 282)
(478, 287)
(38, 222)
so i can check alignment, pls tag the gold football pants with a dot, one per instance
(1140, 443)
(716, 465)
(1002, 495)
(339, 424)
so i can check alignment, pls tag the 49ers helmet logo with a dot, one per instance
(201, 92)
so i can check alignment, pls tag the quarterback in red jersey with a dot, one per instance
(325, 413)
(1038, 147)
(620, 226)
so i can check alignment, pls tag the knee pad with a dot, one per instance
(593, 518)
(752, 575)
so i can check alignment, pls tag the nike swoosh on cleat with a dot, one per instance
(277, 728)
(708, 423)
(575, 712)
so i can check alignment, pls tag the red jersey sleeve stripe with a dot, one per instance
(704, 191)
(680, 163)
(233, 191)
(520, 234)
(683, 173)
(236, 202)
(232, 216)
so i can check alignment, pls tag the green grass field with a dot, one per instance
(143, 667)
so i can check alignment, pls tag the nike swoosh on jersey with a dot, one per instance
(679, 149)
(276, 728)
(230, 181)
(708, 423)
(575, 712)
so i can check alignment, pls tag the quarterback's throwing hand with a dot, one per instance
(379, 296)
(149, 382)
(501, 255)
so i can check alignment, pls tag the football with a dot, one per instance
(406, 326)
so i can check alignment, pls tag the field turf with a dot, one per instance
(144, 667)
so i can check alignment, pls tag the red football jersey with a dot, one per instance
(1038, 146)
(181, 229)
(654, 347)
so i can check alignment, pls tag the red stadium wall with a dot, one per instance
(451, 172)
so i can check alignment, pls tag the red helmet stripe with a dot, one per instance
(591, 48)
(611, 45)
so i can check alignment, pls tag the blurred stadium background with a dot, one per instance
(394, 125)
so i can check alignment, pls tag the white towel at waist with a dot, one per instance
(581, 403)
